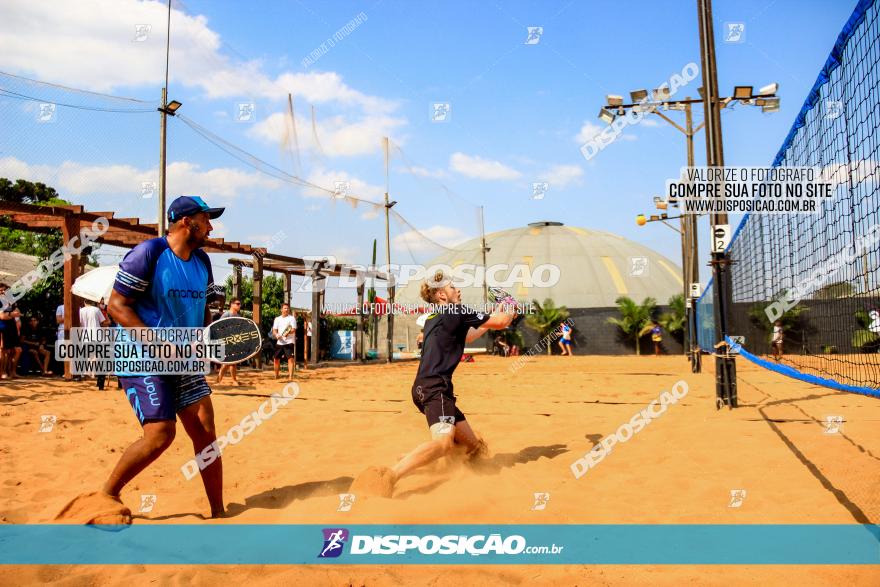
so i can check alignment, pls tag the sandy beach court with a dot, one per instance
(537, 422)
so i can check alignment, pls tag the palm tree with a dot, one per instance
(546, 319)
(634, 318)
(863, 338)
(674, 320)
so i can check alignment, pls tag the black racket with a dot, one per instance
(241, 336)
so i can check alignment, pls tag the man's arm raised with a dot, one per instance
(498, 320)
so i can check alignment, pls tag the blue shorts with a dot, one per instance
(160, 397)
(566, 341)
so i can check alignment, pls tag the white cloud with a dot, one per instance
(479, 168)
(424, 172)
(649, 122)
(73, 179)
(346, 255)
(220, 230)
(337, 135)
(91, 45)
(588, 132)
(561, 176)
(416, 241)
(327, 178)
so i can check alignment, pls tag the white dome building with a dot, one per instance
(594, 269)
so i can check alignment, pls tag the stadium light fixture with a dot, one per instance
(614, 100)
(770, 105)
(641, 220)
(660, 94)
(742, 92)
(660, 203)
(606, 116)
(171, 107)
(638, 95)
(768, 90)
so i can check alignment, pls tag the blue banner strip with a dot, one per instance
(831, 544)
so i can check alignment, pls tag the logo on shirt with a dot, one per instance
(479, 316)
(186, 293)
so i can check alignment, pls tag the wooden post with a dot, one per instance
(258, 297)
(359, 334)
(72, 304)
(390, 315)
(287, 288)
(236, 281)
(316, 310)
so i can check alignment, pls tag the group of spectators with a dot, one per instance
(282, 337)
(27, 345)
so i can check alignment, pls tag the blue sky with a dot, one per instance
(519, 112)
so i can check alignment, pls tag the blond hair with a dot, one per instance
(432, 285)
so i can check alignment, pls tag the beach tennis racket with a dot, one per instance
(500, 296)
(241, 336)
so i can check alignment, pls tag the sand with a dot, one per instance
(680, 469)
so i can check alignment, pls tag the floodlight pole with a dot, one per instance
(725, 365)
(163, 111)
(689, 241)
(162, 137)
(388, 274)
(484, 250)
(688, 231)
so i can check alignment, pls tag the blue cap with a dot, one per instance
(189, 205)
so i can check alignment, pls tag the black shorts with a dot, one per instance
(436, 400)
(284, 351)
(10, 339)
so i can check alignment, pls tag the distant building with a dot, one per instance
(595, 268)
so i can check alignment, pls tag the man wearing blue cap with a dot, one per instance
(167, 282)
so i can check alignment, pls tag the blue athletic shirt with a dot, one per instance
(168, 290)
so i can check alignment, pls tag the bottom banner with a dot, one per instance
(441, 544)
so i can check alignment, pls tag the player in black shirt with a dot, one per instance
(447, 329)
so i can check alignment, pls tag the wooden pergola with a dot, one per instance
(122, 232)
(319, 271)
(128, 232)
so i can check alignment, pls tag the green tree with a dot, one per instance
(546, 319)
(42, 299)
(673, 321)
(863, 338)
(38, 244)
(273, 296)
(833, 291)
(793, 320)
(634, 318)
